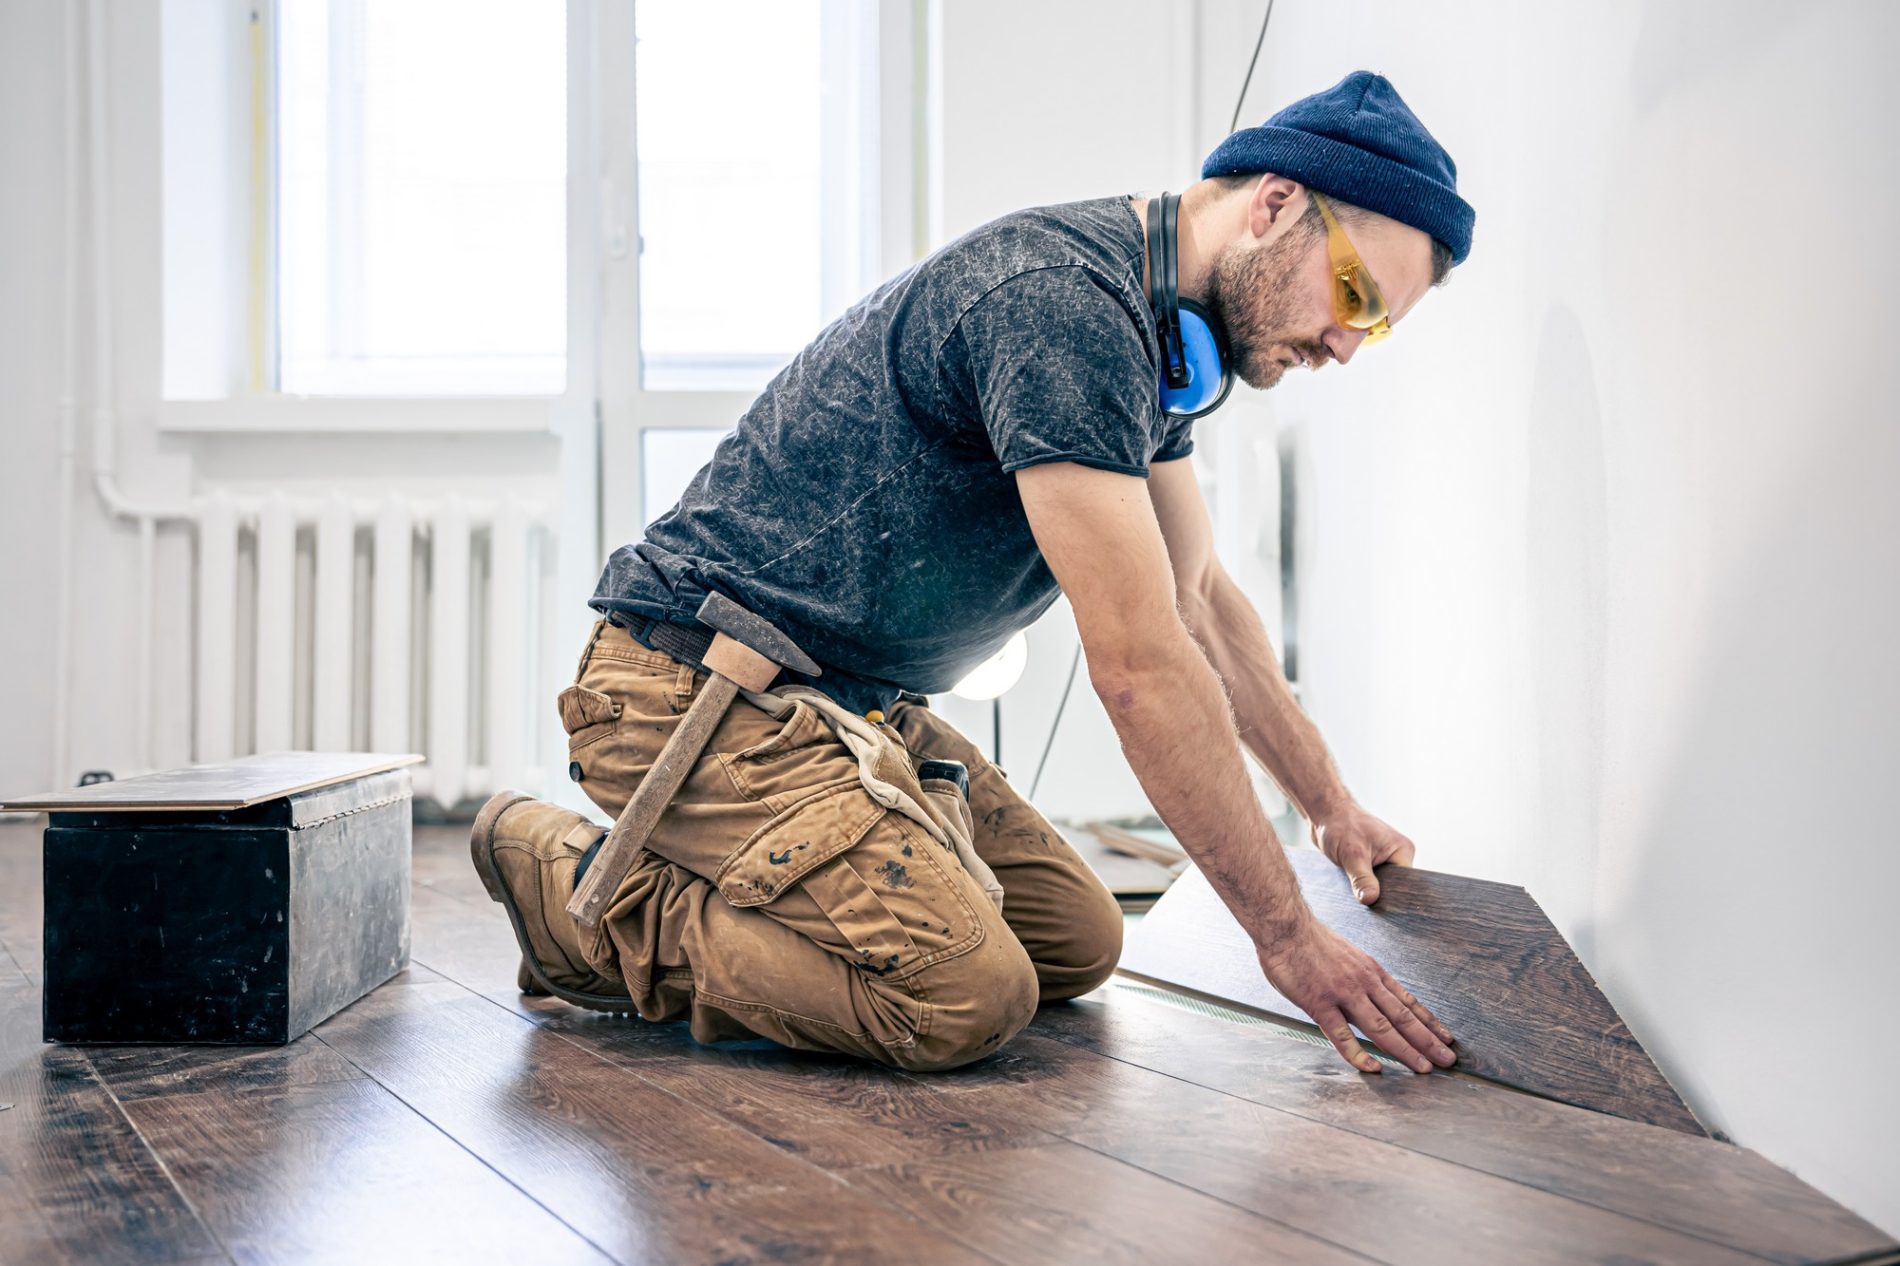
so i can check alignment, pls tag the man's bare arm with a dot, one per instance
(1100, 536)
(1272, 724)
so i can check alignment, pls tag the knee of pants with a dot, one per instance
(1085, 954)
(973, 1004)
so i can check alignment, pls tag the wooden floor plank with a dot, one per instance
(1482, 955)
(77, 1183)
(833, 1111)
(634, 1168)
(1064, 1203)
(1375, 1198)
(343, 1172)
(445, 1116)
(140, 1072)
(472, 945)
(1706, 1188)
(440, 861)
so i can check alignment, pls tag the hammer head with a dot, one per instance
(722, 613)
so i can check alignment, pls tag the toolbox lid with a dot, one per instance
(234, 784)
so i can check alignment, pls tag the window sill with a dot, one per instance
(326, 415)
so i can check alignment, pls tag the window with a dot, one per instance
(421, 166)
(758, 182)
(669, 458)
(515, 212)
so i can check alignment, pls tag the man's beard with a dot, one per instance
(1253, 292)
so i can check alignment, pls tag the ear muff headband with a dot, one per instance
(1194, 374)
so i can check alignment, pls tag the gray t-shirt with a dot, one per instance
(865, 505)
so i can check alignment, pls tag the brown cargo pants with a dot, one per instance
(776, 898)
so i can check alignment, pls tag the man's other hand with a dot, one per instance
(1355, 841)
(1335, 982)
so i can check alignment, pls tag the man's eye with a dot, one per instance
(1348, 295)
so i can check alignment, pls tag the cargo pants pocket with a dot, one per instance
(896, 903)
(799, 759)
(587, 715)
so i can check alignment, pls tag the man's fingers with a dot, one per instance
(1358, 868)
(1412, 1028)
(1339, 1033)
(1403, 854)
(1373, 1024)
(1419, 1009)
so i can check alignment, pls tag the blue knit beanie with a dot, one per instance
(1360, 143)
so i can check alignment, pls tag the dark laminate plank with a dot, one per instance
(829, 1110)
(77, 1184)
(635, 1169)
(440, 861)
(1706, 1188)
(1482, 955)
(1064, 1203)
(140, 1072)
(472, 945)
(1377, 1199)
(343, 1172)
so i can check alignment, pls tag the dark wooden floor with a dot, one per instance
(446, 1118)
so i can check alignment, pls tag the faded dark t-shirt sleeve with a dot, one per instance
(1178, 442)
(1061, 373)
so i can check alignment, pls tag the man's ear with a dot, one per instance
(1275, 200)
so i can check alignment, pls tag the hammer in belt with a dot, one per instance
(745, 652)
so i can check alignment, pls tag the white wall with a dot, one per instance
(30, 217)
(1600, 582)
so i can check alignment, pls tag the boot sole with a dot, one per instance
(481, 850)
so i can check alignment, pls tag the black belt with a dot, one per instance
(684, 642)
(688, 642)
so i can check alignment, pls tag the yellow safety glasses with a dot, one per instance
(1356, 298)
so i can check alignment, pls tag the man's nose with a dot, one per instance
(1342, 343)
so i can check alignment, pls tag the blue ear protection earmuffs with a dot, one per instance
(1194, 374)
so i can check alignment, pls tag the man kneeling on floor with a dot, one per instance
(842, 870)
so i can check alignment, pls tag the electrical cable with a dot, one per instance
(1241, 100)
(1061, 704)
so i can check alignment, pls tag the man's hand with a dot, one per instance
(1334, 981)
(1355, 841)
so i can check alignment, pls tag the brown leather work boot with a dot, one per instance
(525, 850)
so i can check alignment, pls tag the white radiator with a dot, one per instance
(392, 625)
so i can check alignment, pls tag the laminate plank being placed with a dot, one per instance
(1699, 1186)
(635, 1169)
(77, 1184)
(1374, 1198)
(1481, 955)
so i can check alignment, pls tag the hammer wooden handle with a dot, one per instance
(732, 664)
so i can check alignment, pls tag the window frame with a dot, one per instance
(628, 408)
(241, 160)
(236, 392)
